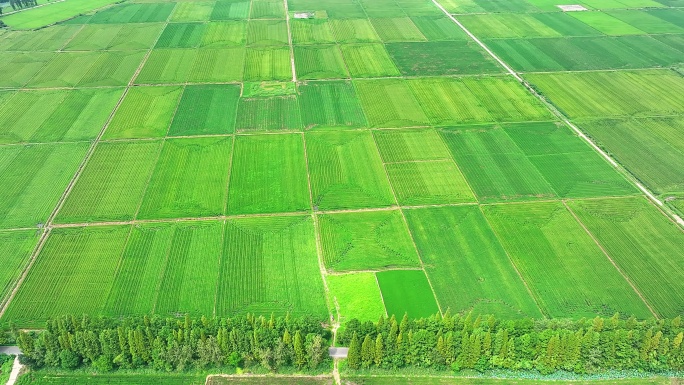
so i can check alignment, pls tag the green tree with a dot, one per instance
(354, 354)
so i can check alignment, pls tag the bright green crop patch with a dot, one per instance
(357, 296)
(189, 180)
(407, 292)
(209, 109)
(43, 16)
(268, 63)
(606, 23)
(467, 265)
(133, 13)
(217, 65)
(77, 266)
(438, 28)
(475, 100)
(346, 171)
(650, 148)
(273, 181)
(311, 31)
(181, 35)
(267, 10)
(228, 10)
(434, 182)
(330, 104)
(224, 34)
(266, 32)
(169, 269)
(26, 66)
(397, 29)
(644, 243)
(634, 93)
(410, 145)
(119, 37)
(112, 184)
(645, 21)
(366, 241)
(354, 31)
(441, 58)
(145, 112)
(368, 60)
(115, 379)
(270, 266)
(34, 178)
(276, 113)
(55, 115)
(319, 62)
(192, 11)
(390, 103)
(17, 247)
(561, 263)
(506, 25)
(165, 66)
(45, 39)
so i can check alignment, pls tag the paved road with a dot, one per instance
(338, 352)
(10, 350)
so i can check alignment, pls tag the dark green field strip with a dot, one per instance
(55, 115)
(441, 58)
(330, 104)
(319, 62)
(650, 148)
(40, 378)
(466, 264)
(275, 113)
(181, 35)
(587, 53)
(17, 247)
(348, 239)
(495, 381)
(228, 10)
(204, 110)
(561, 263)
(606, 23)
(507, 25)
(407, 292)
(438, 28)
(270, 266)
(396, 29)
(356, 295)
(633, 93)
(46, 39)
(112, 184)
(273, 182)
(73, 274)
(648, 22)
(346, 171)
(34, 178)
(670, 16)
(269, 380)
(133, 13)
(189, 179)
(643, 243)
(119, 37)
(145, 112)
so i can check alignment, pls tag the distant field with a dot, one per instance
(52, 13)
(40, 378)
(493, 381)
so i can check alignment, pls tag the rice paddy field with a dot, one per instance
(341, 158)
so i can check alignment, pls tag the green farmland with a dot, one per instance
(344, 159)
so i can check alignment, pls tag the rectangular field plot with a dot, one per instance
(407, 292)
(586, 53)
(189, 180)
(390, 103)
(646, 22)
(267, 10)
(145, 112)
(120, 379)
(438, 28)
(133, 13)
(311, 31)
(34, 178)
(17, 247)
(354, 31)
(192, 11)
(267, 63)
(634, 93)
(217, 65)
(330, 104)
(410, 145)
(268, 175)
(506, 25)
(474, 100)
(119, 37)
(224, 34)
(368, 60)
(441, 58)
(181, 35)
(346, 171)
(72, 275)
(643, 243)
(46, 39)
(55, 115)
(68, 69)
(606, 23)
(269, 266)
(650, 148)
(266, 33)
(467, 266)
(27, 66)
(276, 113)
(357, 296)
(561, 263)
(112, 184)
(165, 66)
(373, 240)
(433, 182)
(203, 110)
(397, 29)
(319, 62)
(228, 10)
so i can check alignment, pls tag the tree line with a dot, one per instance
(483, 343)
(172, 344)
(21, 4)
